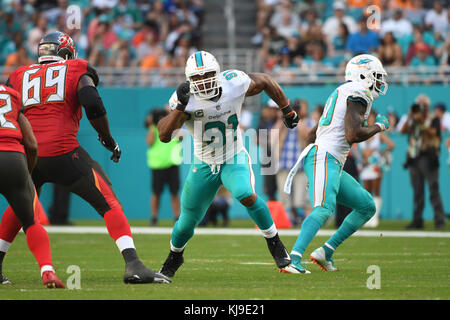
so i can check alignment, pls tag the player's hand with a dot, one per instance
(382, 122)
(291, 120)
(183, 93)
(112, 146)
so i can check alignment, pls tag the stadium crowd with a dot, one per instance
(324, 34)
(111, 33)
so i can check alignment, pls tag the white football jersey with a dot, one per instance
(214, 125)
(330, 134)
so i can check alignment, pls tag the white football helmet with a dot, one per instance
(367, 70)
(201, 63)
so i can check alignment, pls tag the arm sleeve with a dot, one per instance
(92, 102)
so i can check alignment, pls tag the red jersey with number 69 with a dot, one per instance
(50, 101)
(10, 134)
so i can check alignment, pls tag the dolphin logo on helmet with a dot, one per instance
(367, 70)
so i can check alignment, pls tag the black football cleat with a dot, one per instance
(278, 251)
(4, 280)
(137, 273)
(172, 263)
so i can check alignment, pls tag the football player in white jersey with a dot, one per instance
(209, 105)
(343, 123)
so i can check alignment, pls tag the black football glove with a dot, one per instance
(290, 117)
(112, 146)
(183, 94)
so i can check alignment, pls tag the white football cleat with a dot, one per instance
(318, 257)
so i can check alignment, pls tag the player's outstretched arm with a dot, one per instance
(95, 112)
(175, 119)
(355, 131)
(29, 141)
(264, 82)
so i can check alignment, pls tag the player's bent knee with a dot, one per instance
(249, 200)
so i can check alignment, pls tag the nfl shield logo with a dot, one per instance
(217, 108)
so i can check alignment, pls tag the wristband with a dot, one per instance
(287, 111)
(180, 107)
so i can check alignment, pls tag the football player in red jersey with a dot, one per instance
(16, 140)
(53, 94)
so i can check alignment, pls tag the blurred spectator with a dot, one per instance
(317, 60)
(363, 41)
(285, 66)
(58, 213)
(306, 6)
(418, 43)
(219, 207)
(416, 13)
(375, 160)
(36, 33)
(331, 25)
(437, 18)
(337, 46)
(126, 16)
(441, 112)
(421, 61)
(270, 114)
(284, 20)
(163, 159)
(8, 24)
(393, 119)
(398, 25)
(297, 203)
(17, 59)
(389, 51)
(424, 137)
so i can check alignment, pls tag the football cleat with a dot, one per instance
(295, 266)
(51, 281)
(4, 280)
(137, 273)
(278, 251)
(172, 263)
(318, 257)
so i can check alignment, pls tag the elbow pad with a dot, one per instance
(93, 105)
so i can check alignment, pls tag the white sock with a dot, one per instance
(175, 249)
(47, 267)
(271, 232)
(125, 242)
(4, 245)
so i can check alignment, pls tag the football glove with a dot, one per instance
(183, 93)
(290, 117)
(382, 122)
(112, 146)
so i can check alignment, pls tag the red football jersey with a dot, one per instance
(10, 134)
(49, 98)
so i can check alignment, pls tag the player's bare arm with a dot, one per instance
(29, 141)
(175, 119)
(264, 82)
(96, 113)
(355, 131)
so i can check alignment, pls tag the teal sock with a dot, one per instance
(328, 251)
(307, 232)
(260, 213)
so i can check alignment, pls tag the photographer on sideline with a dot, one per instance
(164, 160)
(424, 137)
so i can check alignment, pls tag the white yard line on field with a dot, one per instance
(247, 232)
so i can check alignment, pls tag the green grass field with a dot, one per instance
(236, 268)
